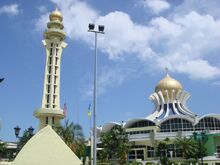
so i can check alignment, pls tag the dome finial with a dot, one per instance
(56, 15)
(56, 8)
(166, 70)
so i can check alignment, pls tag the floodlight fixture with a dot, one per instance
(91, 26)
(101, 28)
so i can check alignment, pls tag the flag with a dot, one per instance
(89, 110)
(64, 109)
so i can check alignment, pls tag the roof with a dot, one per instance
(168, 83)
(46, 148)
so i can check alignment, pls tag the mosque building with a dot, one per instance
(170, 119)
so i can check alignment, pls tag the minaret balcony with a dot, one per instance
(49, 112)
(55, 23)
(49, 33)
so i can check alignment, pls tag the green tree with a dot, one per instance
(161, 152)
(73, 136)
(115, 145)
(201, 139)
(66, 132)
(2, 150)
(23, 140)
(188, 147)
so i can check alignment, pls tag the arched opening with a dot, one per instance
(208, 123)
(141, 123)
(175, 125)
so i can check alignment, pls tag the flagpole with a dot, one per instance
(77, 121)
(90, 133)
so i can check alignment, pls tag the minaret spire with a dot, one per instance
(166, 70)
(50, 112)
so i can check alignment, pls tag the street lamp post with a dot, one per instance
(17, 131)
(30, 132)
(99, 31)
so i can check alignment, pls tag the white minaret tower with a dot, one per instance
(50, 111)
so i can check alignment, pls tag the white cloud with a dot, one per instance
(123, 35)
(203, 7)
(113, 76)
(156, 6)
(42, 9)
(41, 23)
(11, 10)
(77, 15)
(190, 42)
(196, 69)
(186, 43)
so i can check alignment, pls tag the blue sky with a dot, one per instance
(142, 38)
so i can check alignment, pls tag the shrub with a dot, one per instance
(136, 163)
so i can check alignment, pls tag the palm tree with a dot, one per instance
(188, 147)
(66, 132)
(161, 151)
(115, 145)
(73, 136)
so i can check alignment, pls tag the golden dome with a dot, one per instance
(56, 15)
(168, 84)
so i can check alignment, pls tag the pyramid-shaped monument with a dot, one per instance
(46, 148)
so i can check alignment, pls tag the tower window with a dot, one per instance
(55, 70)
(48, 79)
(49, 69)
(51, 44)
(56, 60)
(53, 120)
(57, 51)
(46, 120)
(51, 50)
(54, 99)
(54, 90)
(48, 98)
(48, 88)
(55, 79)
(50, 60)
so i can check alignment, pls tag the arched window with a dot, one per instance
(208, 123)
(175, 125)
(142, 123)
